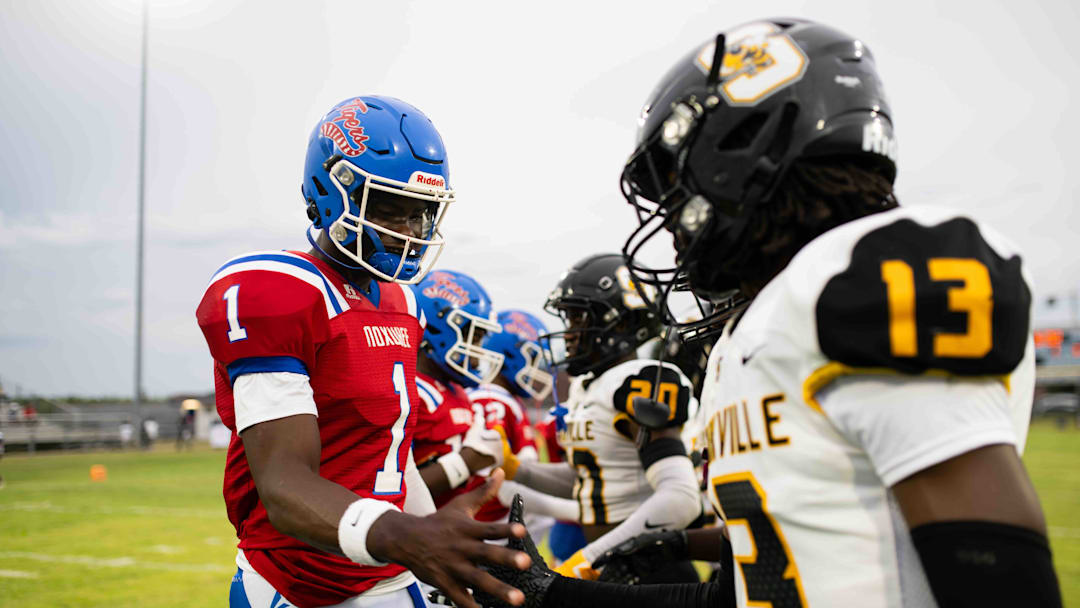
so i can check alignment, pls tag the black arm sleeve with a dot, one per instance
(976, 563)
(576, 593)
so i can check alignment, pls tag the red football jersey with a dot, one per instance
(287, 311)
(441, 425)
(503, 409)
(549, 432)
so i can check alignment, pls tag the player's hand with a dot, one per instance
(534, 581)
(576, 566)
(483, 440)
(633, 559)
(443, 548)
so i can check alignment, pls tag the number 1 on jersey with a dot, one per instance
(236, 333)
(388, 479)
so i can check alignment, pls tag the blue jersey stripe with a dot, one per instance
(257, 365)
(292, 261)
(417, 597)
(237, 594)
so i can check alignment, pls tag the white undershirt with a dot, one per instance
(265, 396)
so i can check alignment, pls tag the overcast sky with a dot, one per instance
(537, 103)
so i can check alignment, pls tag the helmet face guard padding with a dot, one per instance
(418, 254)
(713, 145)
(466, 355)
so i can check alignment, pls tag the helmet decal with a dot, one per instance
(759, 60)
(345, 130)
(443, 286)
(459, 318)
(631, 297)
(520, 325)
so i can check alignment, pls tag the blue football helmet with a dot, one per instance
(522, 346)
(459, 317)
(375, 165)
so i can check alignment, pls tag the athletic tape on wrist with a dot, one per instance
(354, 525)
(457, 472)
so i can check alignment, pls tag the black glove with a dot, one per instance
(533, 582)
(640, 556)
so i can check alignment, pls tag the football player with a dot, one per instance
(314, 361)
(623, 486)
(524, 380)
(866, 412)
(452, 442)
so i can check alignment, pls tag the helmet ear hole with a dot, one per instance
(784, 131)
(744, 134)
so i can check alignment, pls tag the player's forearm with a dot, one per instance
(452, 470)
(573, 593)
(673, 505)
(554, 478)
(305, 506)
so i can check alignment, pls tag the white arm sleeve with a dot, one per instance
(417, 496)
(554, 478)
(538, 503)
(674, 504)
(907, 424)
(265, 396)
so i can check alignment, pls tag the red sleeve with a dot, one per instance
(262, 314)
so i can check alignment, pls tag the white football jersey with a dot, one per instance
(887, 345)
(611, 482)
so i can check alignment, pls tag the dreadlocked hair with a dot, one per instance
(813, 197)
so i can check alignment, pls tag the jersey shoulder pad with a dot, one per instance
(265, 270)
(639, 379)
(429, 393)
(400, 298)
(267, 304)
(491, 392)
(919, 289)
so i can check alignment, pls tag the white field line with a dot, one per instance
(129, 510)
(1062, 532)
(17, 574)
(91, 561)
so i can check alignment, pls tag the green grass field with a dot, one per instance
(155, 534)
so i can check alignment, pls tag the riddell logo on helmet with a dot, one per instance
(344, 128)
(427, 179)
(445, 288)
(874, 139)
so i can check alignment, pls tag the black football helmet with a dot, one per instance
(605, 314)
(723, 127)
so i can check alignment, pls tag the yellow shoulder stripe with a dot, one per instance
(822, 376)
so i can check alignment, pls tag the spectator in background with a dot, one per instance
(127, 434)
(186, 432)
(150, 430)
(30, 414)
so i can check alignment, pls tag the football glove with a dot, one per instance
(640, 556)
(533, 582)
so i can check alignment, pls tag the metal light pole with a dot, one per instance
(137, 401)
